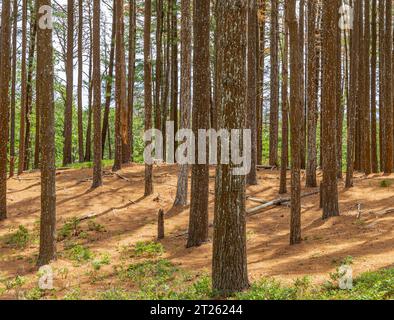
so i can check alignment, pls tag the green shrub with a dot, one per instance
(148, 249)
(19, 239)
(79, 253)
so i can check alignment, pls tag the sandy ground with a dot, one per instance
(128, 217)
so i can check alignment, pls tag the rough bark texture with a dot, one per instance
(285, 113)
(260, 77)
(148, 89)
(374, 142)
(47, 251)
(68, 110)
(312, 114)
(198, 223)
(274, 99)
(387, 137)
(29, 87)
(186, 60)
(96, 86)
(251, 123)
(296, 106)
(5, 40)
(13, 88)
(174, 64)
(110, 80)
(131, 74)
(229, 266)
(80, 82)
(354, 65)
(329, 109)
(120, 89)
(23, 90)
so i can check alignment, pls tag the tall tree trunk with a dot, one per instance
(120, 89)
(45, 99)
(312, 114)
(367, 94)
(186, 67)
(13, 87)
(80, 84)
(159, 63)
(302, 80)
(5, 38)
(96, 86)
(387, 138)
(108, 86)
(148, 89)
(274, 99)
(198, 223)
(285, 111)
(174, 64)
(68, 111)
(131, 74)
(296, 105)
(229, 261)
(22, 125)
(329, 109)
(251, 123)
(260, 77)
(29, 86)
(88, 145)
(374, 142)
(354, 76)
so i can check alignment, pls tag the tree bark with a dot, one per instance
(68, 111)
(186, 61)
(229, 266)
(274, 99)
(45, 99)
(5, 38)
(198, 222)
(148, 89)
(296, 106)
(96, 86)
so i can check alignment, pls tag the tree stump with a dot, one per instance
(160, 225)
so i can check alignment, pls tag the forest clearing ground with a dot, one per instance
(127, 218)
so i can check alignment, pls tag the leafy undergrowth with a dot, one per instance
(143, 273)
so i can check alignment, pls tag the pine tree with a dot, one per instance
(5, 40)
(45, 99)
(148, 89)
(198, 222)
(229, 266)
(96, 86)
(186, 61)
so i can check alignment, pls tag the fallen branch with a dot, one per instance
(276, 202)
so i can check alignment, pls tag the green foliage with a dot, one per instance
(385, 184)
(15, 283)
(69, 229)
(148, 249)
(79, 253)
(103, 261)
(34, 294)
(74, 294)
(268, 289)
(19, 239)
(114, 294)
(94, 226)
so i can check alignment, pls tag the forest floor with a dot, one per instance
(117, 252)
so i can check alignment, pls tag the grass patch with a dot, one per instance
(79, 253)
(19, 239)
(385, 184)
(69, 229)
(148, 249)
